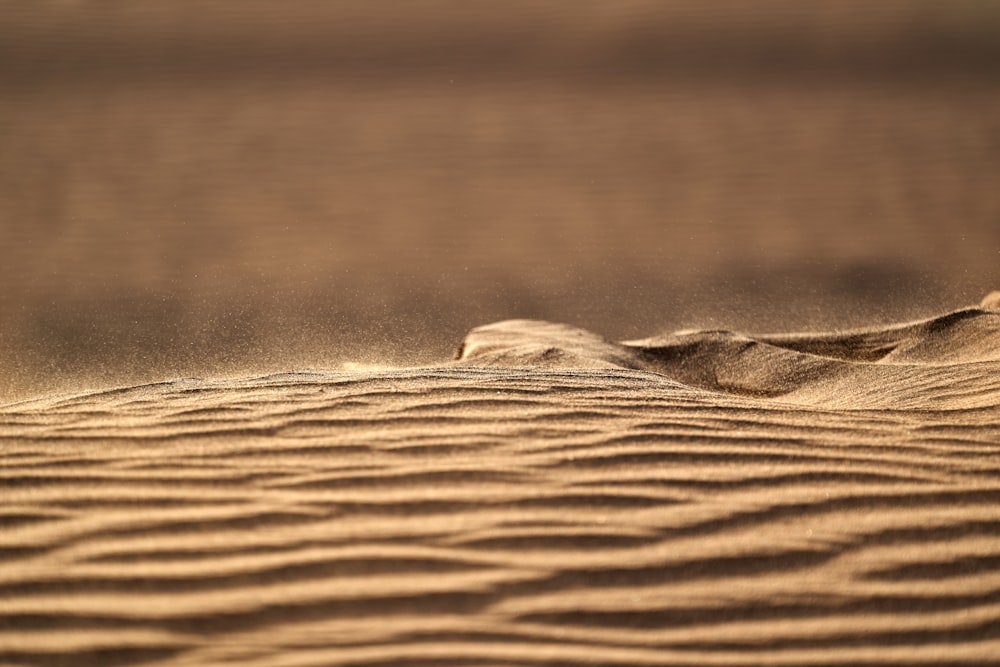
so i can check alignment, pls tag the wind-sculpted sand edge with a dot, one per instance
(947, 361)
(548, 499)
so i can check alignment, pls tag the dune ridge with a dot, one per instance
(947, 361)
(548, 498)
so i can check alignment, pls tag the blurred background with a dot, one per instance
(204, 189)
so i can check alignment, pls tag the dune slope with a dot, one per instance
(550, 498)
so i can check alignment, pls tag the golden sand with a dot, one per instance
(548, 498)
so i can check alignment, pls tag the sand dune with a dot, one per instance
(950, 361)
(549, 498)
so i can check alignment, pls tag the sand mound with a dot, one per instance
(950, 361)
(551, 499)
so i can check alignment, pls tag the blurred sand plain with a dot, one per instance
(205, 190)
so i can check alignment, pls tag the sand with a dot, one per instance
(547, 498)
(192, 189)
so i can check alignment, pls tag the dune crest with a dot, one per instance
(944, 362)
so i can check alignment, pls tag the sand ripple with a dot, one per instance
(551, 499)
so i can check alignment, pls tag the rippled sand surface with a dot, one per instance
(550, 498)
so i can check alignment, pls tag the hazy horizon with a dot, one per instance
(203, 191)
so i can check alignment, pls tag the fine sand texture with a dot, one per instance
(548, 498)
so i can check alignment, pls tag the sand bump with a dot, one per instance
(910, 365)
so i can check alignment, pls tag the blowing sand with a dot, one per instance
(548, 498)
